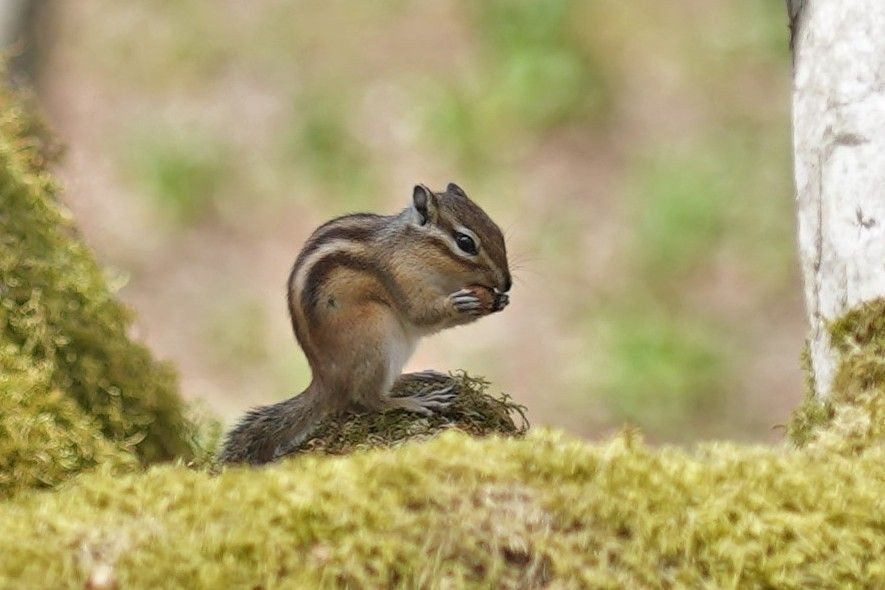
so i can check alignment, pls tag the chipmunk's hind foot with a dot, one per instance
(437, 393)
(425, 376)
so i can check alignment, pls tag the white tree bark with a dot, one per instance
(839, 145)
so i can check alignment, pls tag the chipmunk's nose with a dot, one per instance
(507, 283)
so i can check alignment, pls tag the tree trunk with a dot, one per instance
(839, 145)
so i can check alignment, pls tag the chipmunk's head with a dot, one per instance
(468, 245)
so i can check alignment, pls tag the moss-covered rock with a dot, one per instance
(45, 438)
(56, 309)
(458, 511)
(475, 411)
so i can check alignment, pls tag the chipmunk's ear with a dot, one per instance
(425, 204)
(454, 189)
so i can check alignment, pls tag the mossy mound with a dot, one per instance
(856, 408)
(457, 511)
(56, 308)
(45, 438)
(474, 411)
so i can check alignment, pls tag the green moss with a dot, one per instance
(858, 397)
(45, 438)
(855, 410)
(458, 511)
(812, 413)
(56, 309)
(859, 336)
(806, 420)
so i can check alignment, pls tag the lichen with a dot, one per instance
(56, 308)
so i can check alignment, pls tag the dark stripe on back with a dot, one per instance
(338, 229)
(331, 230)
(365, 217)
(325, 266)
(290, 299)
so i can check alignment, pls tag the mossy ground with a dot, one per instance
(457, 511)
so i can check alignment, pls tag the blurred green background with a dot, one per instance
(637, 154)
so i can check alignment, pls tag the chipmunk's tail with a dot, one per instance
(269, 432)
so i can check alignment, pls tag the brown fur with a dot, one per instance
(362, 291)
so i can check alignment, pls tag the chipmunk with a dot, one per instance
(364, 289)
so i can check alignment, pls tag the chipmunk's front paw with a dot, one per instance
(475, 300)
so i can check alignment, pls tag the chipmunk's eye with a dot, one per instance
(465, 242)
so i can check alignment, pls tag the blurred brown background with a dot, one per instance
(637, 154)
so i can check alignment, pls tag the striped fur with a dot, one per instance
(362, 291)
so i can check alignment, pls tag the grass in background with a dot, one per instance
(665, 370)
(237, 330)
(681, 213)
(532, 75)
(727, 191)
(322, 143)
(160, 46)
(545, 75)
(536, 86)
(694, 205)
(183, 173)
